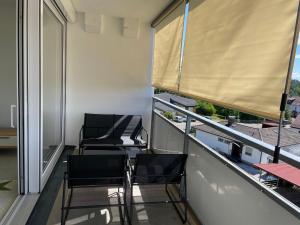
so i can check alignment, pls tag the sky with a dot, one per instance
(296, 70)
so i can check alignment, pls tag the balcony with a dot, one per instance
(218, 190)
(97, 56)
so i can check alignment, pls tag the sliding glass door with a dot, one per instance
(53, 73)
(9, 106)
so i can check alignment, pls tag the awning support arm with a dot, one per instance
(285, 93)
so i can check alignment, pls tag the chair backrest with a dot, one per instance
(137, 129)
(127, 125)
(95, 170)
(98, 125)
(159, 168)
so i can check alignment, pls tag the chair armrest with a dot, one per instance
(146, 133)
(80, 135)
(130, 167)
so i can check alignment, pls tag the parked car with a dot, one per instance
(180, 119)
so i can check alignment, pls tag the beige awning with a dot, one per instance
(167, 45)
(237, 53)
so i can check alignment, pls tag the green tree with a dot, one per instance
(288, 115)
(226, 112)
(205, 108)
(245, 117)
(158, 91)
(295, 88)
(168, 115)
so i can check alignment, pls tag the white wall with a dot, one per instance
(8, 82)
(255, 156)
(212, 141)
(107, 73)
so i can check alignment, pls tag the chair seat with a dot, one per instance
(98, 141)
(129, 141)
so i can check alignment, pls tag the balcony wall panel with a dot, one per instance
(218, 193)
(166, 136)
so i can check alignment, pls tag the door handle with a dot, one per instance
(12, 107)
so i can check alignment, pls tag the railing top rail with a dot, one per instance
(255, 143)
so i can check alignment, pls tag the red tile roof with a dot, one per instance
(283, 171)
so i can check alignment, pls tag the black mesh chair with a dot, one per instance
(97, 130)
(161, 169)
(130, 129)
(94, 171)
(102, 131)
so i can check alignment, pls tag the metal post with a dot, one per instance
(152, 124)
(285, 93)
(186, 135)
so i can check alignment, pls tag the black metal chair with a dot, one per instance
(95, 171)
(102, 131)
(161, 169)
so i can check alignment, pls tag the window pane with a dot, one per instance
(52, 83)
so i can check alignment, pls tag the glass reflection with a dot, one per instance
(52, 84)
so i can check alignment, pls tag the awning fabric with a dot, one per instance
(237, 53)
(283, 171)
(167, 48)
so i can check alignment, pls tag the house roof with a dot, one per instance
(183, 101)
(290, 138)
(253, 132)
(163, 107)
(282, 170)
(294, 101)
(296, 123)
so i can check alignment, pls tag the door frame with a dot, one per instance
(35, 177)
(45, 173)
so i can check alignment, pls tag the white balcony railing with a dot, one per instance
(219, 191)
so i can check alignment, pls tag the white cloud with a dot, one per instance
(297, 57)
(296, 76)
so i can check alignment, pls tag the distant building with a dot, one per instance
(293, 104)
(296, 123)
(237, 151)
(186, 103)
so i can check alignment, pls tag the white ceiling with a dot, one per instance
(145, 10)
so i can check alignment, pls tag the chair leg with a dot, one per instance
(65, 209)
(63, 202)
(131, 201)
(182, 218)
(185, 198)
(120, 208)
(126, 214)
(69, 203)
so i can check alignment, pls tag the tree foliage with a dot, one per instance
(288, 115)
(245, 117)
(205, 108)
(168, 115)
(231, 112)
(158, 91)
(226, 112)
(295, 88)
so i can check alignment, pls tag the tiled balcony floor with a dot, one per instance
(48, 208)
(158, 214)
